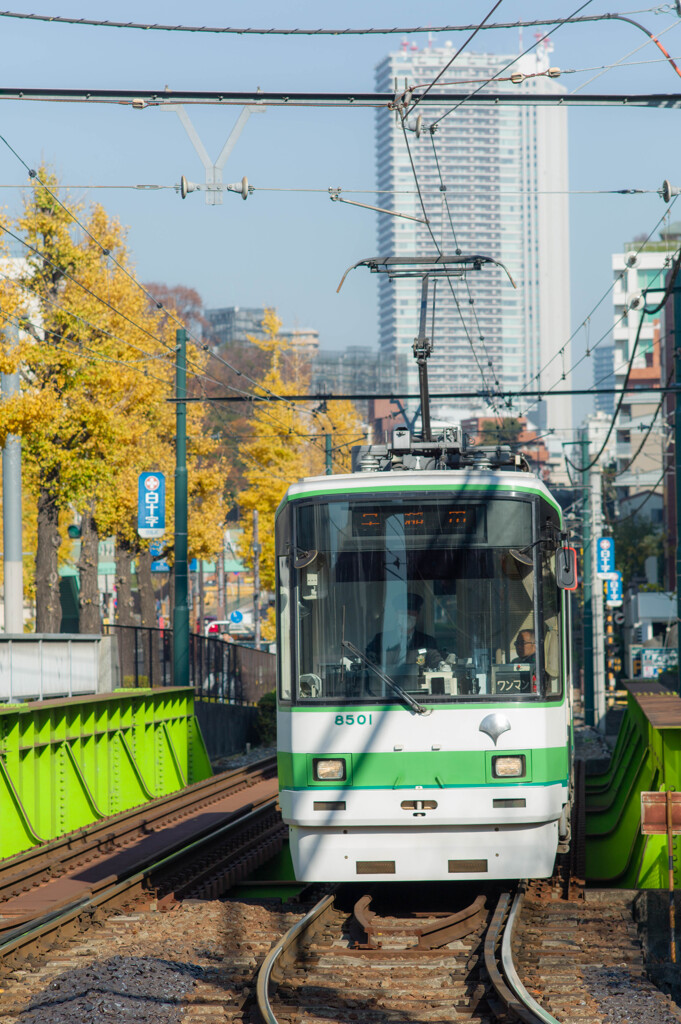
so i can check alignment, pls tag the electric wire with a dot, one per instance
(435, 242)
(107, 252)
(456, 54)
(644, 311)
(597, 305)
(20, 323)
(619, 63)
(471, 300)
(392, 30)
(647, 434)
(487, 81)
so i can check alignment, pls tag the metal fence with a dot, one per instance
(218, 670)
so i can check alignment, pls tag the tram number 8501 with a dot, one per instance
(353, 719)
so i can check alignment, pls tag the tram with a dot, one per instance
(424, 704)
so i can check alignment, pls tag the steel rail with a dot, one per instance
(509, 967)
(508, 985)
(113, 829)
(278, 950)
(141, 98)
(57, 919)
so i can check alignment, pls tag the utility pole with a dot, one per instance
(256, 580)
(181, 610)
(220, 566)
(587, 587)
(677, 463)
(11, 520)
(596, 492)
(327, 452)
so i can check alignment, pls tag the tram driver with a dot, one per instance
(401, 643)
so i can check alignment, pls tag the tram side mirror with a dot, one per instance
(566, 568)
(304, 558)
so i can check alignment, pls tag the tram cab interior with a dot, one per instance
(444, 601)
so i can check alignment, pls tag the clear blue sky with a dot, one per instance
(290, 250)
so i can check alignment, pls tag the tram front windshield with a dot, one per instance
(432, 599)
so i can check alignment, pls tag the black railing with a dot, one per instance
(218, 670)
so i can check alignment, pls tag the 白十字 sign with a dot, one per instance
(151, 505)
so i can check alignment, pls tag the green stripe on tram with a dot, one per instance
(432, 769)
(401, 487)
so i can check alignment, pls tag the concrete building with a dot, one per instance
(305, 340)
(604, 377)
(498, 163)
(639, 448)
(358, 369)
(232, 324)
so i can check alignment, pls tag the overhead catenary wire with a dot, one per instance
(471, 300)
(597, 305)
(644, 311)
(229, 30)
(457, 53)
(437, 247)
(487, 81)
(107, 252)
(619, 63)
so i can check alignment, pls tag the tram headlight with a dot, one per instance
(508, 767)
(328, 769)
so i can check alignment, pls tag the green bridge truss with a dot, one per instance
(67, 763)
(647, 756)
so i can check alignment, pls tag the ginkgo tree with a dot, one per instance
(288, 442)
(97, 372)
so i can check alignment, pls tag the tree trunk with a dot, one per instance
(145, 585)
(152, 637)
(125, 616)
(124, 599)
(48, 602)
(89, 615)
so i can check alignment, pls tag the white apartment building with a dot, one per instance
(505, 173)
(634, 272)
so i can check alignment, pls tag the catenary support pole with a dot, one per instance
(11, 521)
(677, 464)
(327, 452)
(597, 614)
(181, 610)
(256, 580)
(588, 695)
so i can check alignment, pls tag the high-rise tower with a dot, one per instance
(504, 172)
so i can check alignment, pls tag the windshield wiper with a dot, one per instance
(406, 697)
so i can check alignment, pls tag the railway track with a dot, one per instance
(196, 842)
(425, 967)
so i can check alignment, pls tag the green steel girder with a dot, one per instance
(644, 758)
(67, 763)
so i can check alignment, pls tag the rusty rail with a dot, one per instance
(500, 967)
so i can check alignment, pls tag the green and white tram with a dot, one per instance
(424, 725)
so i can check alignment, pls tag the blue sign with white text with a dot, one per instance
(605, 555)
(613, 594)
(151, 505)
(158, 563)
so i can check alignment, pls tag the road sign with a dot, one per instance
(158, 564)
(613, 596)
(618, 618)
(236, 617)
(605, 556)
(151, 505)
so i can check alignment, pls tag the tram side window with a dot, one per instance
(284, 644)
(552, 636)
